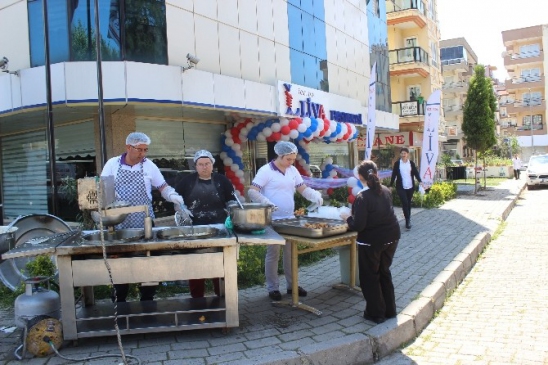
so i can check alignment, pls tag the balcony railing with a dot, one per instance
(452, 85)
(454, 61)
(407, 55)
(408, 108)
(522, 79)
(393, 6)
(518, 56)
(536, 127)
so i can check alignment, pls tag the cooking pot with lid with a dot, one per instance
(252, 217)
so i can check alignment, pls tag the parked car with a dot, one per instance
(457, 162)
(315, 170)
(537, 171)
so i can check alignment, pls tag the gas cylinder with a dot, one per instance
(36, 301)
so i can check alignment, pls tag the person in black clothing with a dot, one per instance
(378, 236)
(207, 195)
(405, 172)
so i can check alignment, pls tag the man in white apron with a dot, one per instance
(134, 177)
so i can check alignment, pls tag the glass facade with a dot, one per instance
(142, 38)
(378, 52)
(452, 53)
(307, 43)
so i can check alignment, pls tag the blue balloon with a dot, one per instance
(328, 168)
(360, 184)
(226, 149)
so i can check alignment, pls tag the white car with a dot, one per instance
(537, 171)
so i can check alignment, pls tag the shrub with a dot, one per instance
(438, 194)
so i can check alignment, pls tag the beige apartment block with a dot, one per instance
(458, 60)
(523, 105)
(415, 67)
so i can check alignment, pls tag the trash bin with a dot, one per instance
(456, 172)
(344, 262)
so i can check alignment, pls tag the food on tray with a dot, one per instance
(316, 225)
(300, 211)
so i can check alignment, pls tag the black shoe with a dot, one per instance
(377, 320)
(302, 292)
(408, 224)
(275, 295)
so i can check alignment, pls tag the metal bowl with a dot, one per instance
(110, 220)
(187, 233)
(118, 236)
(252, 217)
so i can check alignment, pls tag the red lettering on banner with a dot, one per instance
(389, 140)
(400, 140)
(427, 173)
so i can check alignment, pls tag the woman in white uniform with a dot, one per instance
(275, 184)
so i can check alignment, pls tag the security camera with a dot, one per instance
(4, 63)
(192, 59)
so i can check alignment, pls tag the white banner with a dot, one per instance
(430, 147)
(370, 140)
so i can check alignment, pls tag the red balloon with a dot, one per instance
(329, 191)
(349, 190)
(326, 124)
(276, 136)
(351, 199)
(293, 123)
(285, 130)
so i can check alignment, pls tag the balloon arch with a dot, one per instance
(302, 131)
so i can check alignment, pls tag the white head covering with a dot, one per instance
(203, 153)
(137, 138)
(283, 148)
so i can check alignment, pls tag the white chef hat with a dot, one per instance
(283, 148)
(203, 153)
(137, 138)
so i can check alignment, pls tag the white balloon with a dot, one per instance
(242, 180)
(223, 155)
(229, 142)
(236, 147)
(261, 137)
(328, 161)
(356, 190)
(240, 173)
(352, 182)
(284, 121)
(332, 127)
(344, 128)
(355, 172)
(239, 153)
(307, 121)
(228, 161)
(302, 127)
(267, 132)
(228, 134)
(332, 173)
(294, 133)
(276, 127)
(234, 167)
(244, 132)
(285, 137)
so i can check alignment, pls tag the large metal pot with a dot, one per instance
(252, 217)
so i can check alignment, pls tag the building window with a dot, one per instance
(131, 30)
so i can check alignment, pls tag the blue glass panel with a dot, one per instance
(294, 18)
(297, 67)
(319, 10)
(58, 32)
(309, 43)
(307, 6)
(296, 3)
(311, 68)
(321, 42)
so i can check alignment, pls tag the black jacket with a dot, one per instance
(396, 173)
(373, 217)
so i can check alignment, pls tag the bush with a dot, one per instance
(438, 194)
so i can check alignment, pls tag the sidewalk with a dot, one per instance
(432, 258)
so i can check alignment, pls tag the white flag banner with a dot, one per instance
(430, 148)
(370, 141)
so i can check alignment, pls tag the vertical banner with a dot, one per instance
(371, 113)
(430, 148)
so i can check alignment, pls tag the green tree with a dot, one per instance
(479, 114)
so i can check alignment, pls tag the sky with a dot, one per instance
(481, 23)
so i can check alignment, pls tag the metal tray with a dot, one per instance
(187, 233)
(296, 227)
(119, 236)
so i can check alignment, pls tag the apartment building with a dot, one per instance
(523, 105)
(415, 67)
(457, 64)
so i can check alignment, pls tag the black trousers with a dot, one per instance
(376, 279)
(516, 174)
(406, 195)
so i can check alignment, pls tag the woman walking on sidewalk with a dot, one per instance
(378, 235)
(405, 172)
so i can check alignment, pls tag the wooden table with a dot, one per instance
(316, 244)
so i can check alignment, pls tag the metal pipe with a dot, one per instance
(50, 130)
(531, 122)
(102, 135)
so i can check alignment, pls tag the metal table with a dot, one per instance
(316, 244)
